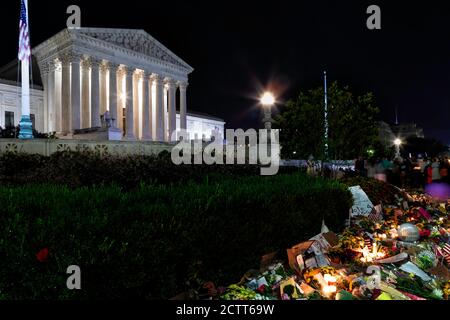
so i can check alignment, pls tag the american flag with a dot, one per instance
(377, 214)
(368, 243)
(24, 37)
(446, 252)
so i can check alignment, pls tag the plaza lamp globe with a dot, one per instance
(397, 142)
(267, 99)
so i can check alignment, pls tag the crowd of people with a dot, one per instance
(406, 172)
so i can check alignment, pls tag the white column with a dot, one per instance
(172, 114)
(44, 67)
(114, 102)
(166, 113)
(146, 107)
(95, 93)
(65, 94)
(129, 73)
(51, 83)
(136, 101)
(103, 88)
(86, 100)
(76, 93)
(159, 110)
(58, 98)
(121, 97)
(183, 105)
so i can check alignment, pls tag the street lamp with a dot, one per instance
(397, 142)
(267, 101)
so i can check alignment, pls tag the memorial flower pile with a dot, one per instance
(402, 255)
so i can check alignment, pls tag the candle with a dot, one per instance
(330, 285)
(327, 283)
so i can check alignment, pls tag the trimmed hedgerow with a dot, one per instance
(79, 169)
(149, 242)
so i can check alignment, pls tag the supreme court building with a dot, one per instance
(120, 78)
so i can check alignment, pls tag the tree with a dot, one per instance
(352, 124)
(431, 147)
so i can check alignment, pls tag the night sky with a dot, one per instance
(240, 47)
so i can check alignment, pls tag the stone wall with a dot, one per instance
(116, 148)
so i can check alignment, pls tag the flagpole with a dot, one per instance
(25, 124)
(326, 113)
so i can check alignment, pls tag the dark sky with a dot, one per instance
(239, 47)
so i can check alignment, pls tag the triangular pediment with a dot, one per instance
(135, 40)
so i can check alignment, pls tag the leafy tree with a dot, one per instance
(430, 146)
(352, 124)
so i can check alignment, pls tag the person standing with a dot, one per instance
(359, 166)
(443, 170)
(428, 172)
(435, 167)
(371, 168)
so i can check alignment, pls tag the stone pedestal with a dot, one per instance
(99, 134)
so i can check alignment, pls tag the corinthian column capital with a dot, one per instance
(94, 62)
(86, 64)
(127, 70)
(70, 57)
(170, 83)
(183, 85)
(157, 78)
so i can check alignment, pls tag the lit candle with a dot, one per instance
(330, 285)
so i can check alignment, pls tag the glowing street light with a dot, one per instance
(397, 142)
(267, 100)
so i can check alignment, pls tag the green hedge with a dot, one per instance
(147, 243)
(79, 169)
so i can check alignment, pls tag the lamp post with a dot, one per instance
(397, 142)
(267, 101)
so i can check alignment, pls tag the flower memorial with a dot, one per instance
(404, 255)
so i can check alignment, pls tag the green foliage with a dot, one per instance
(430, 146)
(352, 124)
(377, 191)
(78, 169)
(147, 242)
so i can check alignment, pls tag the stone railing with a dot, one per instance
(114, 148)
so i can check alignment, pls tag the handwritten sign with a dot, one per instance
(362, 206)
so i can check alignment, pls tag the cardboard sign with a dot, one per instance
(267, 260)
(322, 261)
(362, 206)
(297, 250)
(293, 286)
(324, 241)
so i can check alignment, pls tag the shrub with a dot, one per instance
(77, 169)
(149, 242)
(377, 191)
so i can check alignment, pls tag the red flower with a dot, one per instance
(42, 255)
(261, 289)
(425, 233)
